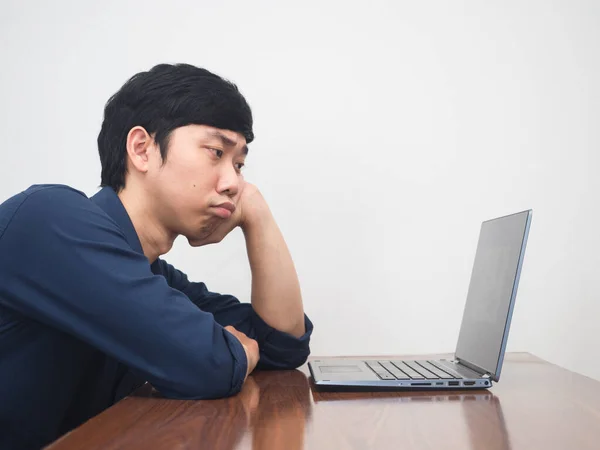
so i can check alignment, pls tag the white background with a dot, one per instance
(386, 132)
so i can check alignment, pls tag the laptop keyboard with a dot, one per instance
(412, 370)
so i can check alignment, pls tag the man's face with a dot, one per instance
(193, 192)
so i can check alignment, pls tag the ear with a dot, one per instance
(139, 145)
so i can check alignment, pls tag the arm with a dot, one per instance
(276, 317)
(75, 272)
(276, 296)
(278, 350)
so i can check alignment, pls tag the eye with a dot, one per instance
(218, 153)
(239, 166)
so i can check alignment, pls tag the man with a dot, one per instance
(88, 309)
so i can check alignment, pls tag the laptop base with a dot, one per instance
(394, 375)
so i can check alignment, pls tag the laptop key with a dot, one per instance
(394, 370)
(409, 371)
(440, 373)
(426, 373)
(379, 370)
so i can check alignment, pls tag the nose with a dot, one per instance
(229, 181)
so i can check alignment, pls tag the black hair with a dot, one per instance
(162, 99)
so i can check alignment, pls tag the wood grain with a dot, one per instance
(536, 405)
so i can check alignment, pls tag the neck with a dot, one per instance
(156, 240)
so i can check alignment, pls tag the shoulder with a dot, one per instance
(57, 204)
(53, 195)
(50, 206)
(45, 196)
(42, 199)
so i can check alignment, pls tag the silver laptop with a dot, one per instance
(483, 333)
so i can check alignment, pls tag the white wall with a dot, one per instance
(385, 135)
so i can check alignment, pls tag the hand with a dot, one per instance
(250, 347)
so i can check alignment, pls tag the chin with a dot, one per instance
(198, 241)
(195, 243)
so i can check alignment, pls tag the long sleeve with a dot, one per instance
(76, 272)
(278, 350)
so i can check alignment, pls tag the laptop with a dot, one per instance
(479, 354)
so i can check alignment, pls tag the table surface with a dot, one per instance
(536, 405)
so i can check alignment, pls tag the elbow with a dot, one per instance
(284, 361)
(207, 380)
(202, 391)
(218, 373)
(298, 359)
(199, 390)
(298, 329)
(284, 351)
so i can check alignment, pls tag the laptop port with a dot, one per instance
(452, 383)
(420, 384)
(469, 383)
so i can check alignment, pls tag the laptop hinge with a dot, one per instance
(483, 373)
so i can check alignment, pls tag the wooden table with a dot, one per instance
(536, 405)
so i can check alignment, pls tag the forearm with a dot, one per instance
(276, 296)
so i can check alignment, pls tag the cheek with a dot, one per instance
(201, 180)
(188, 178)
(179, 178)
(197, 185)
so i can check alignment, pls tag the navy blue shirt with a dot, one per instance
(85, 319)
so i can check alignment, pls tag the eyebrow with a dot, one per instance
(226, 141)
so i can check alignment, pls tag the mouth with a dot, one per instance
(224, 210)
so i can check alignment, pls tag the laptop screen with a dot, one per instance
(492, 291)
